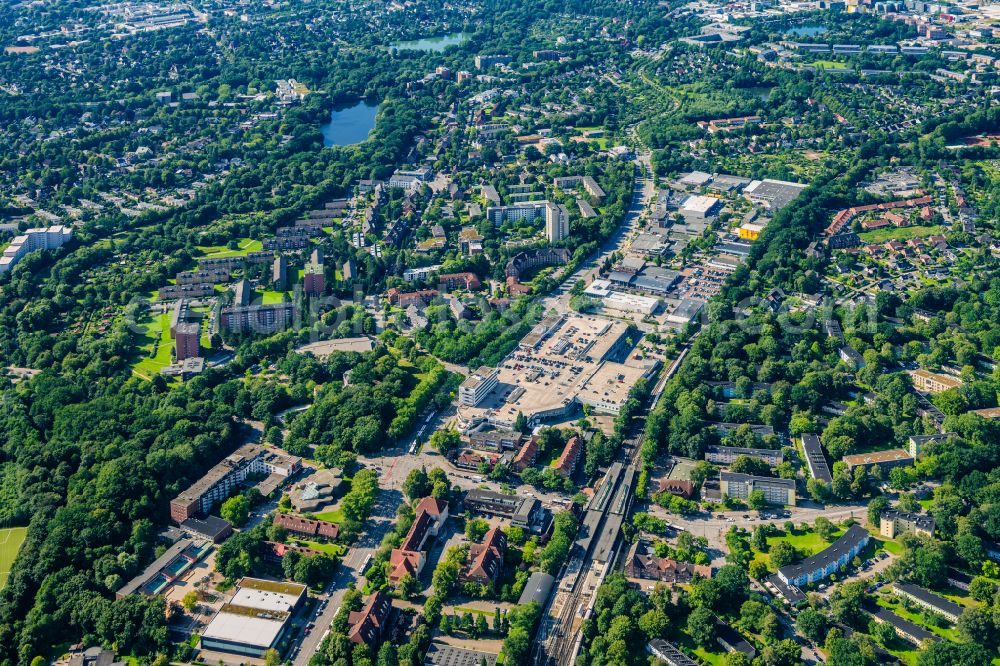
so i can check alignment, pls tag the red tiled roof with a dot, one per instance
(487, 557)
(569, 457)
(434, 507)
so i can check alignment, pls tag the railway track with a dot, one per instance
(593, 554)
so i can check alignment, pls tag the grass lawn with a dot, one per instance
(474, 611)
(155, 346)
(10, 542)
(335, 516)
(899, 233)
(808, 543)
(827, 64)
(918, 619)
(891, 547)
(686, 644)
(270, 297)
(246, 245)
(329, 548)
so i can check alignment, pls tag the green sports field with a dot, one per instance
(10, 542)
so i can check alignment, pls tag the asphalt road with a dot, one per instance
(714, 529)
(349, 572)
(643, 191)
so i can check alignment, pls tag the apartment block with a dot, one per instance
(187, 338)
(739, 486)
(933, 382)
(264, 319)
(220, 481)
(894, 522)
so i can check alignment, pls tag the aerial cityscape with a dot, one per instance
(500, 333)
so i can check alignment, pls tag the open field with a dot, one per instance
(245, 245)
(827, 64)
(898, 234)
(11, 539)
(155, 346)
(335, 516)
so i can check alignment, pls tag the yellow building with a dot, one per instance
(750, 231)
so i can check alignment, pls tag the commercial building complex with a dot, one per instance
(739, 486)
(525, 512)
(256, 618)
(773, 194)
(565, 361)
(827, 561)
(477, 386)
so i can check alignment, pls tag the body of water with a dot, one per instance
(439, 43)
(808, 30)
(760, 92)
(349, 125)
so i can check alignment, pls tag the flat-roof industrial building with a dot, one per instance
(255, 619)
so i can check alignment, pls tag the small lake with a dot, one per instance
(349, 125)
(439, 43)
(760, 92)
(808, 30)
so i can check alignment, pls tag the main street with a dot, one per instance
(350, 571)
(643, 191)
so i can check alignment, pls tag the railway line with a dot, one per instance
(595, 549)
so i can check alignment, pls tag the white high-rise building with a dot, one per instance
(556, 222)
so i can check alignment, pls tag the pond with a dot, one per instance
(439, 43)
(808, 30)
(760, 92)
(349, 124)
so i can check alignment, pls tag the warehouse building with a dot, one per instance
(256, 618)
